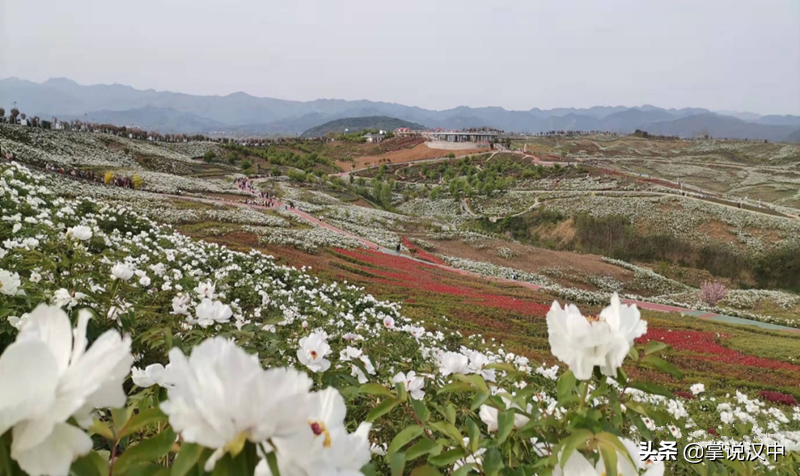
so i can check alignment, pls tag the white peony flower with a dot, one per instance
(62, 297)
(625, 324)
(80, 232)
(206, 290)
(412, 383)
(180, 305)
(18, 322)
(576, 341)
(208, 312)
(454, 363)
(697, 388)
(9, 283)
(604, 341)
(151, 375)
(489, 415)
(49, 376)
(220, 397)
(121, 271)
(358, 373)
(312, 352)
(332, 450)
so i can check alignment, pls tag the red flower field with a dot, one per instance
(411, 274)
(419, 253)
(704, 346)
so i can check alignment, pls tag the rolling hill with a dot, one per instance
(360, 124)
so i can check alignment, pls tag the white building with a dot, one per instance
(373, 137)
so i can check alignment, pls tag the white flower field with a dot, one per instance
(130, 349)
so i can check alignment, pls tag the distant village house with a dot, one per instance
(374, 137)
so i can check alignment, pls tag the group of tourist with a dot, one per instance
(263, 198)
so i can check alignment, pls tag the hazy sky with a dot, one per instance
(719, 54)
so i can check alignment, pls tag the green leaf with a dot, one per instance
(147, 469)
(402, 395)
(141, 420)
(272, 462)
(90, 465)
(425, 471)
(455, 387)
(609, 454)
(101, 428)
(465, 470)
(421, 410)
(242, 464)
(397, 462)
(403, 438)
(478, 400)
(449, 430)
(633, 354)
(448, 457)
(652, 388)
(167, 338)
(492, 462)
(505, 423)
(566, 384)
(574, 441)
(474, 433)
(375, 389)
(450, 413)
(474, 379)
(145, 451)
(662, 365)
(382, 408)
(612, 441)
(120, 417)
(654, 346)
(188, 456)
(423, 447)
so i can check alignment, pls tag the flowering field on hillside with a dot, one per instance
(130, 349)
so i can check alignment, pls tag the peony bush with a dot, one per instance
(129, 349)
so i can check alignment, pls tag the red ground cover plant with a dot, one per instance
(419, 253)
(705, 347)
(778, 397)
(684, 395)
(411, 274)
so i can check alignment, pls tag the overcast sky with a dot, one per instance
(736, 55)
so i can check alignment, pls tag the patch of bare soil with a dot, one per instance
(718, 232)
(112, 144)
(362, 203)
(770, 235)
(419, 152)
(532, 260)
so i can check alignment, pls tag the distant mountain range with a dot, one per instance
(245, 115)
(355, 124)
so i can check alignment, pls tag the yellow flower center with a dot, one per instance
(235, 446)
(318, 428)
(313, 354)
(592, 318)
